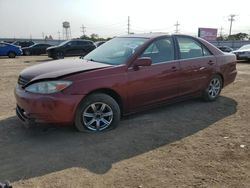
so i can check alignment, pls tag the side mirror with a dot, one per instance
(142, 62)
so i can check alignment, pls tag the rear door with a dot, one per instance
(36, 49)
(157, 82)
(197, 64)
(71, 48)
(82, 47)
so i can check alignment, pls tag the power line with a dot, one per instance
(177, 27)
(108, 26)
(231, 19)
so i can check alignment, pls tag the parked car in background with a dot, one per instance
(74, 47)
(124, 75)
(23, 43)
(225, 48)
(9, 42)
(9, 50)
(36, 49)
(99, 43)
(243, 53)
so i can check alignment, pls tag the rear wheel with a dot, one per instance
(98, 112)
(214, 88)
(12, 54)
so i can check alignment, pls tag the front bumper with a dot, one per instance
(58, 108)
(242, 56)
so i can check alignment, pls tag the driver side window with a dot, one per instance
(161, 50)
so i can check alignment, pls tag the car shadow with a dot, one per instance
(27, 153)
(38, 61)
(243, 61)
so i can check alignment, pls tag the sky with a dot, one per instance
(108, 18)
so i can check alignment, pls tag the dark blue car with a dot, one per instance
(10, 50)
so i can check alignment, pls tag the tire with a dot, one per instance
(213, 89)
(59, 55)
(12, 54)
(27, 52)
(97, 113)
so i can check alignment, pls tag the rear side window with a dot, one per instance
(190, 48)
(161, 50)
(81, 43)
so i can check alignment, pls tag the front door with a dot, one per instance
(158, 82)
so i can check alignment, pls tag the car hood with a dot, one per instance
(244, 50)
(52, 47)
(58, 68)
(25, 48)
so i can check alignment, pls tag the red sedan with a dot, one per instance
(125, 75)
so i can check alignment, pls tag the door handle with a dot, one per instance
(210, 62)
(202, 68)
(174, 68)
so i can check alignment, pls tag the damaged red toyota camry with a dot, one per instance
(125, 75)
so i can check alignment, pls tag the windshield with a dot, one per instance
(63, 43)
(245, 47)
(116, 51)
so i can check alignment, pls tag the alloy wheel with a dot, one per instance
(97, 116)
(214, 88)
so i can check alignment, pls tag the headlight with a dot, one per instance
(48, 87)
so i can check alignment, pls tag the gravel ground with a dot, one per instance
(188, 144)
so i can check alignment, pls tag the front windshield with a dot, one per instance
(65, 42)
(116, 51)
(245, 47)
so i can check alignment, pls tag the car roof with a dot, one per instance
(145, 35)
(246, 45)
(2, 42)
(80, 40)
(152, 35)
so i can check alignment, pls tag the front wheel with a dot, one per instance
(27, 52)
(214, 88)
(59, 55)
(12, 55)
(98, 112)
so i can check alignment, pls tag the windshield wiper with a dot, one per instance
(95, 61)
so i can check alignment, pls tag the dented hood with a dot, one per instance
(58, 68)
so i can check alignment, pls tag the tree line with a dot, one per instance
(238, 36)
(94, 37)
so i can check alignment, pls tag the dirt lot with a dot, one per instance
(189, 144)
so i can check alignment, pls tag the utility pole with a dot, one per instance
(128, 25)
(43, 35)
(59, 37)
(83, 30)
(231, 19)
(221, 29)
(177, 27)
